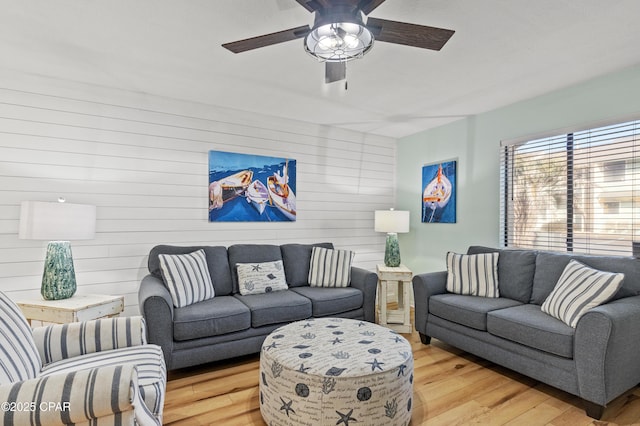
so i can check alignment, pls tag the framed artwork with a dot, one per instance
(439, 192)
(251, 188)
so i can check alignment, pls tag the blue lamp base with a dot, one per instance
(59, 277)
(392, 250)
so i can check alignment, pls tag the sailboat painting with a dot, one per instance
(251, 188)
(439, 192)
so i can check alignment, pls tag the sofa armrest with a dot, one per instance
(367, 282)
(75, 397)
(606, 347)
(62, 341)
(156, 307)
(424, 286)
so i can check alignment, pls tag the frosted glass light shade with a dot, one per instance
(391, 221)
(58, 223)
(338, 42)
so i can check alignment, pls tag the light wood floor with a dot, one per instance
(451, 387)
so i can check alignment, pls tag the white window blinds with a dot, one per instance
(576, 192)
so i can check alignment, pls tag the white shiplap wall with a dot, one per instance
(142, 160)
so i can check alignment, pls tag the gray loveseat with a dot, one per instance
(597, 361)
(230, 324)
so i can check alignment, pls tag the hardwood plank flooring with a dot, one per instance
(451, 387)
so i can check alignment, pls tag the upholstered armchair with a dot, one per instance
(94, 372)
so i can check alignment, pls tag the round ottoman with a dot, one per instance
(335, 371)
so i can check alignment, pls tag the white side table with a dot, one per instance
(396, 319)
(73, 309)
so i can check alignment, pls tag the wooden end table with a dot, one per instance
(74, 309)
(396, 319)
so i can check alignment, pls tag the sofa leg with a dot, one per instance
(425, 339)
(593, 410)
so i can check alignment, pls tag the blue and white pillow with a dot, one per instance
(258, 278)
(187, 277)
(579, 289)
(473, 274)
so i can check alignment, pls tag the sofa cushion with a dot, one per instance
(330, 268)
(515, 271)
(213, 317)
(258, 278)
(473, 275)
(217, 263)
(470, 311)
(331, 301)
(187, 277)
(274, 308)
(296, 259)
(250, 253)
(549, 267)
(579, 289)
(529, 326)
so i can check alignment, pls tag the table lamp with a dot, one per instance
(392, 221)
(58, 223)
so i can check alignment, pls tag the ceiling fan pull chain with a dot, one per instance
(346, 82)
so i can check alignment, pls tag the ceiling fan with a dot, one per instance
(339, 34)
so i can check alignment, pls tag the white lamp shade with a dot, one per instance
(391, 221)
(56, 221)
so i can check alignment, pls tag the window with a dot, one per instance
(614, 170)
(612, 207)
(577, 191)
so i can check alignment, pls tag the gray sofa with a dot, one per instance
(597, 360)
(231, 324)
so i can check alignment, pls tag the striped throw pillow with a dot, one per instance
(579, 289)
(19, 358)
(473, 274)
(187, 277)
(330, 268)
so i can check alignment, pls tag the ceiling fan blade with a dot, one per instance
(409, 34)
(310, 5)
(267, 39)
(335, 71)
(368, 6)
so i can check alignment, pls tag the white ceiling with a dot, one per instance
(503, 51)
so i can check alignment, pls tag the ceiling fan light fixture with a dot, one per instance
(338, 42)
(339, 34)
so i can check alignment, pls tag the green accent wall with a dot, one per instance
(475, 143)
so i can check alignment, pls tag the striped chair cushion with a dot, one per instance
(187, 277)
(19, 359)
(473, 274)
(109, 394)
(148, 359)
(579, 289)
(330, 268)
(61, 341)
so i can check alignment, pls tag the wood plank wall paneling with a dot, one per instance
(142, 160)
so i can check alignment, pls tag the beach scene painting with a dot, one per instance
(251, 188)
(439, 192)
